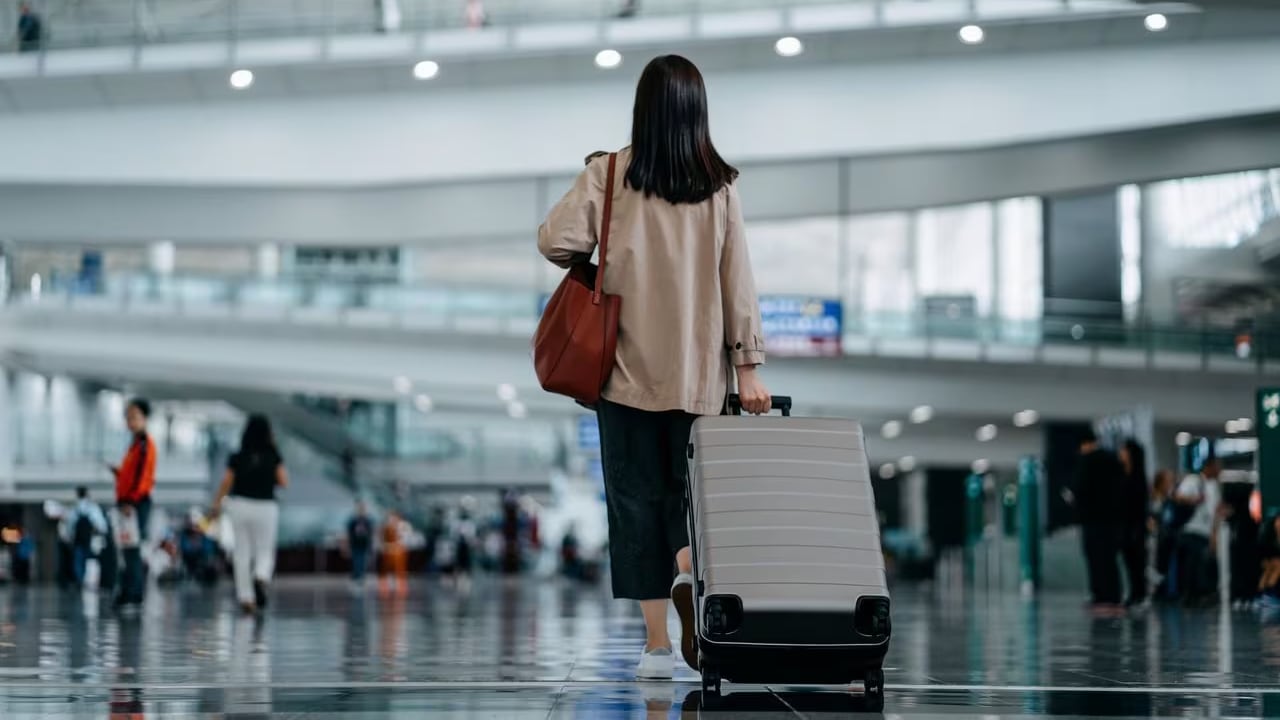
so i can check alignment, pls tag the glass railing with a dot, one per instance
(99, 23)
(50, 438)
(514, 311)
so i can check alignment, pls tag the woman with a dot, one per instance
(395, 557)
(1137, 507)
(678, 258)
(249, 491)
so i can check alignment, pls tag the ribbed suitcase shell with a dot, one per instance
(782, 514)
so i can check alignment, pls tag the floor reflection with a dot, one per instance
(548, 649)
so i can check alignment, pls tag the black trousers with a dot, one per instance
(1196, 567)
(645, 465)
(1101, 555)
(1135, 562)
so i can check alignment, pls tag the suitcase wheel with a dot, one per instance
(873, 684)
(710, 682)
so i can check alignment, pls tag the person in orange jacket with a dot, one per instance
(135, 478)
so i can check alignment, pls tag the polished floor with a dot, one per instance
(546, 649)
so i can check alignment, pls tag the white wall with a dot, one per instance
(452, 133)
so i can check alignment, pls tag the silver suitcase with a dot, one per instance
(789, 578)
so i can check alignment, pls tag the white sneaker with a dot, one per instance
(657, 664)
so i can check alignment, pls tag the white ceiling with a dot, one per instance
(25, 93)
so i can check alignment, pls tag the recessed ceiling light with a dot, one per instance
(987, 433)
(1025, 418)
(921, 414)
(608, 59)
(517, 410)
(887, 471)
(891, 429)
(972, 34)
(980, 466)
(1156, 22)
(506, 392)
(423, 403)
(1183, 439)
(241, 79)
(788, 46)
(907, 463)
(1077, 332)
(402, 384)
(426, 69)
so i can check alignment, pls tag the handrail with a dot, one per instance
(513, 311)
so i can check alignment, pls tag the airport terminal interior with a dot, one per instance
(1031, 247)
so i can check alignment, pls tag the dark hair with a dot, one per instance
(1088, 436)
(82, 492)
(143, 405)
(1137, 459)
(671, 151)
(257, 438)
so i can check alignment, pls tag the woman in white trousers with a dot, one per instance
(249, 493)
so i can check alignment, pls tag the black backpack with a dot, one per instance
(84, 532)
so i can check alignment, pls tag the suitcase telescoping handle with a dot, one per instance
(780, 402)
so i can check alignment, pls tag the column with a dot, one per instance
(267, 261)
(7, 407)
(1268, 425)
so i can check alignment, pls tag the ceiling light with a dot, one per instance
(402, 384)
(426, 69)
(1156, 22)
(972, 35)
(887, 471)
(1025, 418)
(517, 410)
(907, 464)
(891, 429)
(921, 414)
(608, 59)
(423, 403)
(241, 79)
(788, 46)
(987, 433)
(1183, 439)
(507, 392)
(980, 466)
(1233, 427)
(1077, 332)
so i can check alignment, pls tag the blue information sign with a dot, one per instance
(807, 327)
(588, 434)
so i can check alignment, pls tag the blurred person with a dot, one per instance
(463, 551)
(570, 560)
(88, 526)
(360, 543)
(249, 491)
(135, 479)
(1098, 497)
(1201, 493)
(475, 15)
(30, 29)
(394, 576)
(1136, 513)
(1269, 550)
(1161, 525)
(690, 314)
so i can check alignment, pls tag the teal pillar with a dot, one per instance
(1009, 510)
(1029, 522)
(1268, 426)
(973, 525)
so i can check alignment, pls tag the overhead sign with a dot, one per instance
(1268, 424)
(802, 327)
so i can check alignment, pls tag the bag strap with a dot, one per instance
(604, 230)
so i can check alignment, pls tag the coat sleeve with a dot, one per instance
(570, 232)
(743, 335)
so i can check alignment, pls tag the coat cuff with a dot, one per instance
(746, 357)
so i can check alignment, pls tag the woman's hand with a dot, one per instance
(752, 393)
